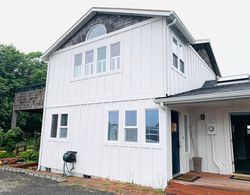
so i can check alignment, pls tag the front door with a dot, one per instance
(241, 142)
(175, 142)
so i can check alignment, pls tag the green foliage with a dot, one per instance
(1, 137)
(4, 154)
(11, 138)
(29, 155)
(17, 69)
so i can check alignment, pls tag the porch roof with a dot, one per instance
(210, 91)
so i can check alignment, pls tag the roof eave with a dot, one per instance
(204, 98)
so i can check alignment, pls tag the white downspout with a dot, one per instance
(213, 152)
(168, 54)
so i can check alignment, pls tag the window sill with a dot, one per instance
(96, 75)
(134, 144)
(58, 140)
(179, 72)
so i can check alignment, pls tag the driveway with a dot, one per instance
(19, 184)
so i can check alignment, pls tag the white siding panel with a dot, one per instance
(139, 162)
(196, 70)
(141, 74)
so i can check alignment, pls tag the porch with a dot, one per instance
(212, 123)
(208, 183)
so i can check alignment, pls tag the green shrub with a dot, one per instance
(1, 137)
(11, 138)
(29, 155)
(4, 154)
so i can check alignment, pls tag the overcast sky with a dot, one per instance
(33, 25)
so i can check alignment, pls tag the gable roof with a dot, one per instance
(138, 12)
(127, 11)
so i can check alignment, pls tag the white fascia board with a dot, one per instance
(202, 41)
(182, 27)
(132, 11)
(67, 34)
(204, 97)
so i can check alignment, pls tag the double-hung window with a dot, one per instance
(152, 126)
(178, 56)
(115, 56)
(131, 130)
(101, 60)
(78, 65)
(113, 125)
(63, 126)
(89, 58)
(181, 59)
(175, 53)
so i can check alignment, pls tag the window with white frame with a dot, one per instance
(175, 53)
(178, 56)
(63, 129)
(89, 58)
(152, 126)
(54, 124)
(131, 130)
(101, 60)
(96, 31)
(113, 125)
(186, 133)
(181, 58)
(78, 65)
(115, 56)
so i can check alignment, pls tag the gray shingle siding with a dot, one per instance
(110, 21)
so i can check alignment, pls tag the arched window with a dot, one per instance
(96, 31)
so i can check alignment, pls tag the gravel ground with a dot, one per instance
(20, 184)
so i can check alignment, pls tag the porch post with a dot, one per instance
(169, 145)
(14, 119)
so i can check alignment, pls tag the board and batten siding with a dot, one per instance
(219, 117)
(196, 69)
(142, 77)
(142, 163)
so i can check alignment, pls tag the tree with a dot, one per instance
(17, 69)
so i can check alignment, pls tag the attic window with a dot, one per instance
(96, 31)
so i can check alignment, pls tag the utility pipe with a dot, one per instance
(213, 152)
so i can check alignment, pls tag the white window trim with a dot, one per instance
(107, 128)
(82, 66)
(115, 57)
(131, 127)
(90, 64)
(188, 133)
(57, 138)
(87, 36)
(145, 141)
(104, 61)
(94, 74)
(60, 126)
(51, 120)
(179, 44)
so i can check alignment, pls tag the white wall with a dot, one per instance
(142, 163)
(196, 70)
(142, 68)
(218, 117)
(87, 101)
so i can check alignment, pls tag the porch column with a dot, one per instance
(14, 119)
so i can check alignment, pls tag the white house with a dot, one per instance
(116, 94)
